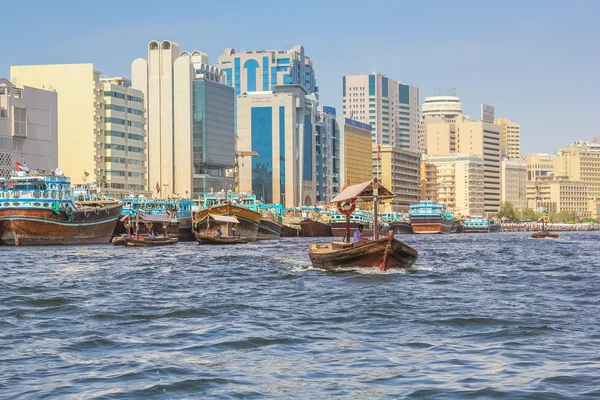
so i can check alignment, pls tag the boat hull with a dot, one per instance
(386, 253)
(143, 242)
(249, 221)
(185, 231)
(289, 231)
(433, 225)
(470, 229)
(312, 228)
(268, 230)
(401, 228)
(208, 239)
(544, 235)
(36, 227)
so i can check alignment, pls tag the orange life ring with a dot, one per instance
(241, 199)
(342, 211)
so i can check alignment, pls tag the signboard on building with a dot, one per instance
(487, 113)
(329, 110)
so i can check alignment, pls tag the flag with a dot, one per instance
(86, 174)
(378, 151)
(21, 167)
(157, 188)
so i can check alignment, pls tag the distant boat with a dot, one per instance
(544, 233)
(223, 236)
(384, 253)
(312, 228)
(38, 209)
(142, 231)
(429, 217)
(249, 221)
(476, 224)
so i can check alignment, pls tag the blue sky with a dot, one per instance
(536, 61)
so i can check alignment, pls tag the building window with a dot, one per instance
(113, 146)
(114, 134)
(134, 149)
(261, 122)
(133, 136)
(20, 121)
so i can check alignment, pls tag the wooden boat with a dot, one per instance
(268, 229)
(213, 233)
(401, 227)
(382, 253)
(249, 221)
(312, 228)
(289, 231)
(385, 253)
(544, 233)
(150, 222)
(38, 209)
(141, 241)
(210, 239)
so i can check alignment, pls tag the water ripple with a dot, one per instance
(480, 316)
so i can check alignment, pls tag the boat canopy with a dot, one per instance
(363, 191)
(161, 219)
(224, 218)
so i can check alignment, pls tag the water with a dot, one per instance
(482, 316)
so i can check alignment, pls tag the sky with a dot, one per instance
(535, 61)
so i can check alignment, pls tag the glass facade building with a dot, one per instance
(213, 136)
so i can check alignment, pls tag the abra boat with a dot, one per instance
(428, 217)
(312, 228)
(37, 208)
(177, 211)
(382, 253)
(213, 233)
(249, 221)
(544, 233)
(134, 237)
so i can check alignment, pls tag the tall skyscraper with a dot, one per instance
(28, 127)
(101, 125)
(191, 139)
(510, 138)
(327, 155)
(262, 70)
(389, 106)
(279, 126)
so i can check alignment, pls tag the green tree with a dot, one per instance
(530, 215)
(564, 217)
(507, 210)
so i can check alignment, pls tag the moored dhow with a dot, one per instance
(428, 217)
(38, 209)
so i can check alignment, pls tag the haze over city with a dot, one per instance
(535, 62)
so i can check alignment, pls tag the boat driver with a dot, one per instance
(358, 233)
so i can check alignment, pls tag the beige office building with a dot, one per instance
(28, 128)
(460, 182)
(510, 138)
(513, 175)
(558, 192)
(581, 162)
(355, 152)
(428, 180)
(398, 170)
(389, 106)
(101, 125)
(191, 138)
(464, 135)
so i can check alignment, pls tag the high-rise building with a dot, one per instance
(278, 125)
(510, 138)
(101, 125)
(464, 135)
(581, 162)
(422, 141)
(327, 149)
(28, 127)
(460, 182)
(355, 152)
(262, 70)
(513, 173)
(448, 107)
(191, 138)
(398, 170)
(389, 106)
